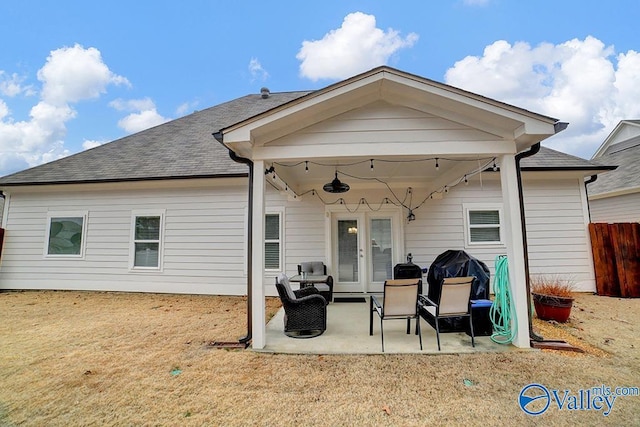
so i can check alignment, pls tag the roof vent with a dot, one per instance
(265, 92)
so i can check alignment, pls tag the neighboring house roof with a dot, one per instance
(626, 178)
(181, 148)
(624, 130)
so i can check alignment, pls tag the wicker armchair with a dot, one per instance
(305, 310)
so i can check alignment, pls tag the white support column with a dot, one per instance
(515, 250)
(258, 303)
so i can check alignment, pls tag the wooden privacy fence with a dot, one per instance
(616, 257)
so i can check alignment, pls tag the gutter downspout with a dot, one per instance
(533, 150)
(245, 339)
(591, 179)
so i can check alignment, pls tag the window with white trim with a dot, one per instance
(273, 241)
(66, 233)
(146, 240)
(483, 225)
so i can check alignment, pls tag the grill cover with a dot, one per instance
(454, 263)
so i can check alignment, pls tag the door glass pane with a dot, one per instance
(381, 244)
(348, 251)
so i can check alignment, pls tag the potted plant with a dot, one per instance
(552, 297)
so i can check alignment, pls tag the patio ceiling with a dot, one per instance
(416, 171)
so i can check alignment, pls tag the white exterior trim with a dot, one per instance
(467, 207)
(5, 212)
(515, 251)
(132, 252)
(257, 286)
(280, 211)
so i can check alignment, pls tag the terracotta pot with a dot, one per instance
(552, 307)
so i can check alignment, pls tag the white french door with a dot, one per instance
(364, 247)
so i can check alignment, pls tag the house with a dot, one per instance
(615, 196)
(430, 167)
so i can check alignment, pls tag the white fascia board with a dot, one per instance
(452, 148)
(615, 193)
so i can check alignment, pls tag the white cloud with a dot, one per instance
(143, 114)
(73, 74)
(70, 74)
(4, 109)
(89, 144)
(11, 85)
(358, 45)
(186, 108)
(132, 105)
(136, 122)
(579, 81)
(256, 70)
(476, 2)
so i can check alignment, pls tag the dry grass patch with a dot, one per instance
(92, 358)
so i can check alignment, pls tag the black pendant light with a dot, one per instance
(336, 186)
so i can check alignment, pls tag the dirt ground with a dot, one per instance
(96, 358)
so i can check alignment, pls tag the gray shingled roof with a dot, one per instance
(627, 176)
(550, 159)
(181, 148)
(185, 148)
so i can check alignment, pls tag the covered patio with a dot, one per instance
(390, 134)
(348, 333)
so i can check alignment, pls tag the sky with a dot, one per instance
(78, 74)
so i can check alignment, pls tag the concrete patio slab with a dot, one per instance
(348, 333)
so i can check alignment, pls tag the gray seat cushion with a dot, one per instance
(284, 280)
(322, 287)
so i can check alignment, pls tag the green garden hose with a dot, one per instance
(502, 313)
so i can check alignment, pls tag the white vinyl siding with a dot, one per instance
(381, 123)
(557, 233)
(623, 208)
(204, 238)
(205, 229)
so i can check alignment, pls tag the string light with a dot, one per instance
(437, 164)
(385, 200)
(306, 166)
(371, 165)
(495, 167)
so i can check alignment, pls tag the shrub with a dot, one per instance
(552, 286)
